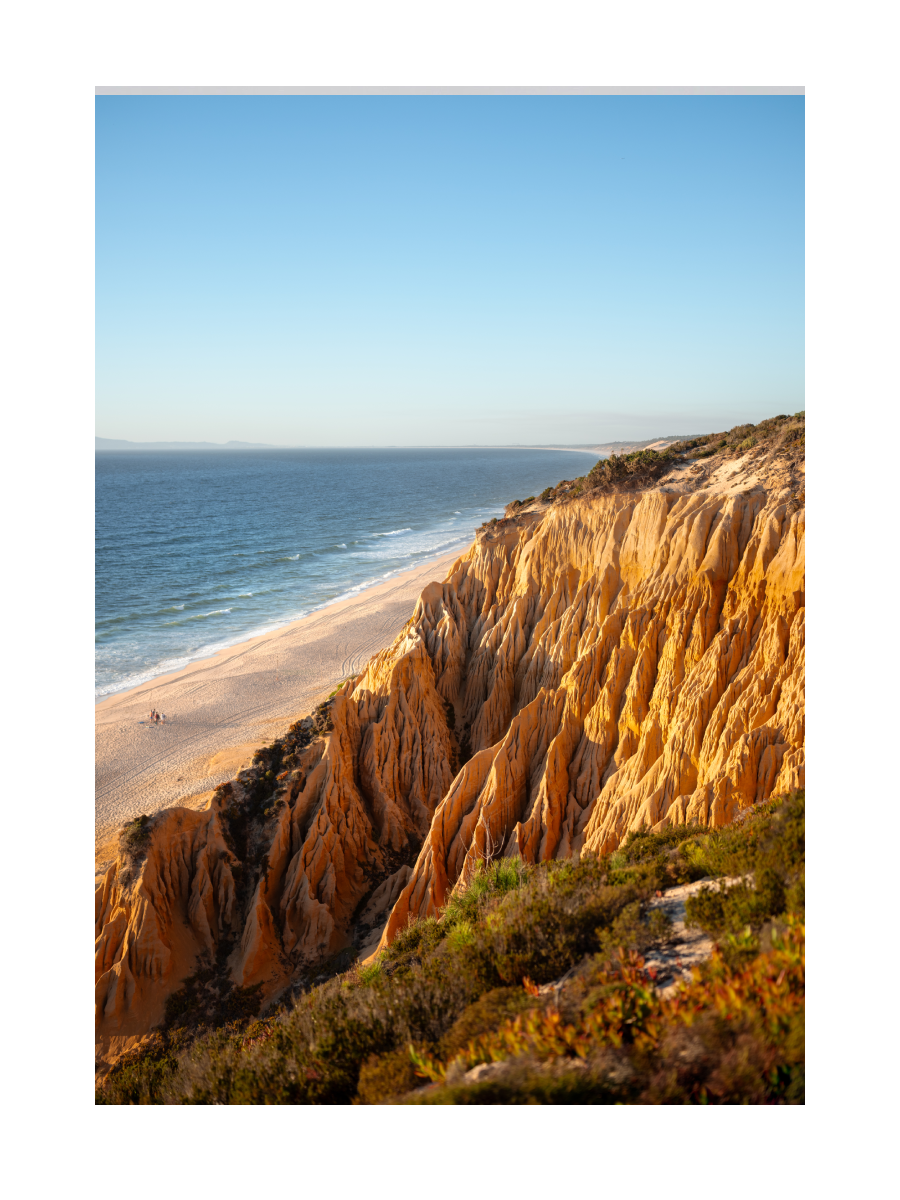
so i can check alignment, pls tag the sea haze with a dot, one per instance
(199, 550)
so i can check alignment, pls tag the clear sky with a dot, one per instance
(447, 270)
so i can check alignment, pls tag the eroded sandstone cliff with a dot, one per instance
(607, 663)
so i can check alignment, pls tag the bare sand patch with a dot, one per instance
(233, 759)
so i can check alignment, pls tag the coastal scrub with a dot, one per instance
(530, 987)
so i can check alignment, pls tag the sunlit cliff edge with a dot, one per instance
(615, 658)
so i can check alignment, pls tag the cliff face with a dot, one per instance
(636, 661)
(616, 662)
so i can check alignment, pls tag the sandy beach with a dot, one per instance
(220, 709)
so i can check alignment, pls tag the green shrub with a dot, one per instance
(628, 471)
(410, 944)
(135, 836)
(772, 835)
(770, 853)
(633, 930)
(490, 880)
(738, 434)
(656, 860)
(539, 930)
(386, 1076)
(369, 973)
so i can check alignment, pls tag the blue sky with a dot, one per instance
(447, 270)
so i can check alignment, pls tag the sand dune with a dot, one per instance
(219, 709)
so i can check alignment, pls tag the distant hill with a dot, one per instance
(119, 444)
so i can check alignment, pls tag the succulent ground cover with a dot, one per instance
(530, 988)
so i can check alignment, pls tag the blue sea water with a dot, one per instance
(199, 550)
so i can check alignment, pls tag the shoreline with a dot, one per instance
(220, 708)
(331, 606)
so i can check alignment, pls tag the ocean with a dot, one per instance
(198, 550)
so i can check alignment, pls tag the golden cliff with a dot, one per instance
(612, 662)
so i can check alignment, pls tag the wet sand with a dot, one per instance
(220, 709)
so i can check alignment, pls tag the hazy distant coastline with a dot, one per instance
(120, 444)
(604, 448)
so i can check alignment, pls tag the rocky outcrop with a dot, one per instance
(614, 662)
(156, 914)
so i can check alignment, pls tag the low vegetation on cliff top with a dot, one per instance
(530, 988)
(781, 437)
